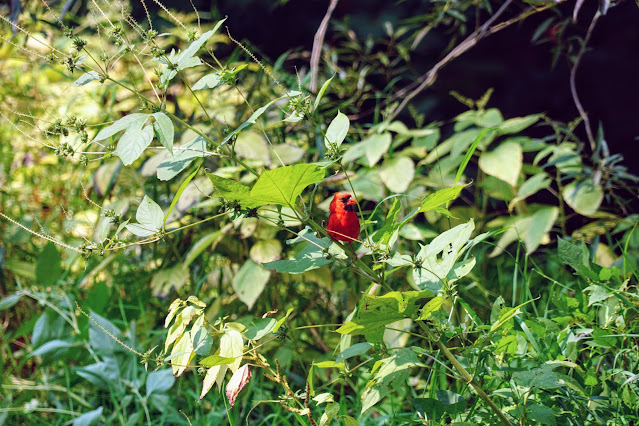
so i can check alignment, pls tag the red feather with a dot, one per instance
(343, 223)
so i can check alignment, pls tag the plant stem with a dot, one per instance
(465, 374)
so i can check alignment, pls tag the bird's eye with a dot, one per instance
(346, 198)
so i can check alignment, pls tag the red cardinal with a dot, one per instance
(343, 223)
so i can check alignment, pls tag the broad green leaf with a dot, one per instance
(185, 155)
(320, 94)
(541, 222)
(183, 60)
(391, 225)
(169, 279)
(89, 418)
(376, 147)
(531, 186)
(259, 328)
(354, 152)
(516, 125)
(265, 251)
(135, 120)
(378, 311)
(431, 307)
(249, 282)
(390, 375)
(182, 354)
(309, 258)
(232, 346)
(441, 197)
(213, 360)
(584, 197)
(504, 162)
(86, 78)
(150, 218)
(209, 81)
(163, 127)
(489, 118)
(9, 301)
(577, 257)
(252, 146)
(159, 381)
(460, 141)
(337, 130)
(133, 143)
(355, 350)
(438, 258)
(397, 173)
(178, 193)
(232, 191)
(48, 269)
(213, 375)
(202, 339)
(282, 185)
(286, 153)
(331, 411)
(102, 333)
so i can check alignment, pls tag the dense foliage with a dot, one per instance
(163, 257)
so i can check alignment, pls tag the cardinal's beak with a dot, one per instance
(351, 202)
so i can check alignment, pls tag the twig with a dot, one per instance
(418, 82)
(573, 86)
(318, 40)
(429, 78)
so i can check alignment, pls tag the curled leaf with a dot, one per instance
(238, 381)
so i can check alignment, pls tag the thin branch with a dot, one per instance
(429, 78)
(431, 74)
(573, 85)
(318, 40)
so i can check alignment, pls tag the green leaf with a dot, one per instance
(164, 131)
(213, 360)
(48, 269)
(378, 311)
(533, 185)
(232, 191)
(9, 301)
(431, 307)
(182, 354)
(460, 141)
(135, 120)
(232, 346)
(259, 328)
(150, 218)
(86, 78)
(309, 258)
(376, 147)
(209, 81)
(439, 198)
(320, 94)
(337, 130)
(89, 418)
(541, 222)
(516, 125)
(186, 154)
(185, 59)
(252, 146)
(159, 381)
(469, 154)
(504, 162)
(584, 197)
(178, 193)
(353, 351)
(133, 143)
(390, 375)
(249, 282)
(438, 258)
(397, 173)
(391, 225)
(282, 320)
(282, 185)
